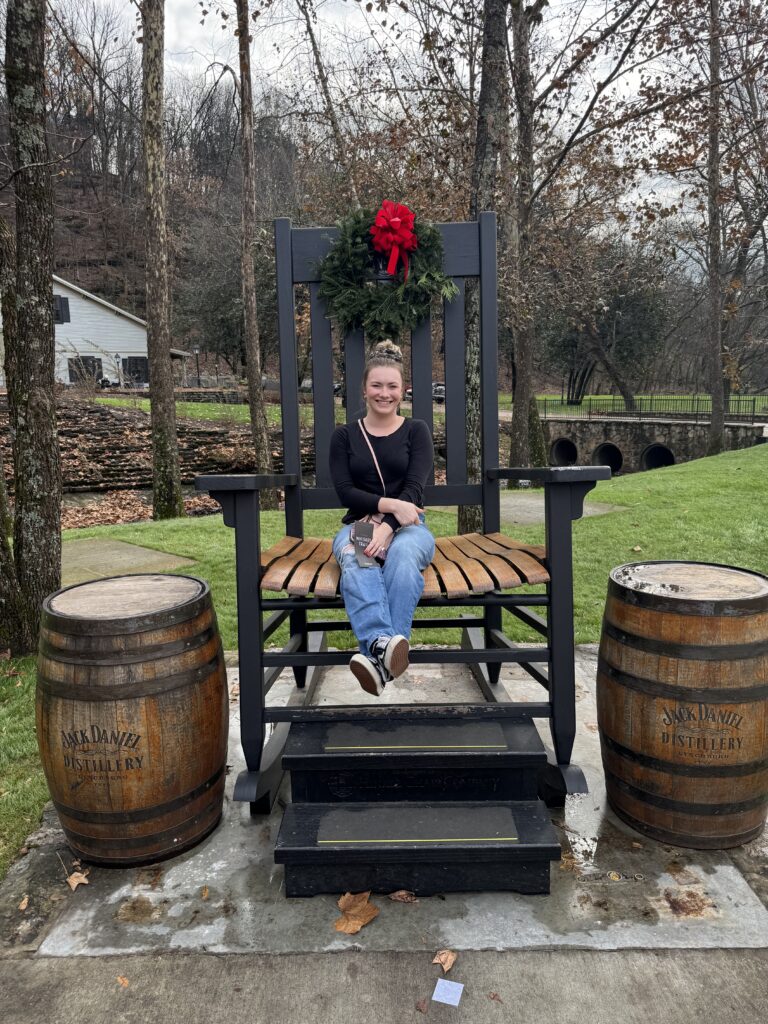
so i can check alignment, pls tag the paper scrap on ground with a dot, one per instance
(447, 992)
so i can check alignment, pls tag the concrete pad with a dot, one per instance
(562, 987)
(526, 508)
(94, 559)
(614, 890)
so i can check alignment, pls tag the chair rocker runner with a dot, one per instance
(477, 573)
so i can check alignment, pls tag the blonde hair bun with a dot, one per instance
(387, 350)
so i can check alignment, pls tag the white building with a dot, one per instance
(94, 338)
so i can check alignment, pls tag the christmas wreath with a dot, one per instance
(383, 272)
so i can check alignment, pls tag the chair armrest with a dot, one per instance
(553, 475)
(244, 482)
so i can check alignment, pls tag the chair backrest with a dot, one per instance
(469, 252)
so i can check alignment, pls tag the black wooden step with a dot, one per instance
(427, 848)
(414, 760)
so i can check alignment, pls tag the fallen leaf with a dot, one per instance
(356, 912)
(121, 981)
(421, 1005)
(24, 903)
(614, 876)
(75, 879)
(403, 896)
(637, 548)
(446, 958)
(204, 893)
(495, 997)
(638, 846)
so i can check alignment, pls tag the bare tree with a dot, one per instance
(491, 123)
(714, 269)
(166, 477)
(248, 239)
(35, 568)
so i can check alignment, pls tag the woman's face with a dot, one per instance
(383, 390)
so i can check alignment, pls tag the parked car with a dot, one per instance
(438, 392)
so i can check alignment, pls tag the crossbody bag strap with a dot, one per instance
(373, 456)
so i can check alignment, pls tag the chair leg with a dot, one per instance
(298, 621)
(492, 621)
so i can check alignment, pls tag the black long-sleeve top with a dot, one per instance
(405, 459)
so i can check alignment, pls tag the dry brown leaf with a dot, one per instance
(356, 912)
(75, 879)
(495, 997)
(446, 958)
(204, 893)
(24, 903)
(421, 1005)
(122, 981)
(403, 896)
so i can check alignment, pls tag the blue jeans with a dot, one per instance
(381, 600)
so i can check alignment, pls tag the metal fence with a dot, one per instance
(741, 408)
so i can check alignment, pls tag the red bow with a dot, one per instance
(392, 233)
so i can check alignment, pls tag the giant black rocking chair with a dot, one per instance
(339, 756)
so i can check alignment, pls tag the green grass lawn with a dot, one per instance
(709, 510)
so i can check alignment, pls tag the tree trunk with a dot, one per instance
(166, 477)
(598, 352)
(259, 433)
(522, 81)
(491, 118)
(717, 423)
(29, 335)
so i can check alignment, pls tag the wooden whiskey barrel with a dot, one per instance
(132, 715)
(681, 700)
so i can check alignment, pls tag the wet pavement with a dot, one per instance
(613, 890)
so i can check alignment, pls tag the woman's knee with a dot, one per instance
(413, 546)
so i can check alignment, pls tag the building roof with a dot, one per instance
(101, 302)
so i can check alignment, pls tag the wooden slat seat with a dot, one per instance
(472, 563)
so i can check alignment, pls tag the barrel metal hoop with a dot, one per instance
(141, 688)
(113, 658)
(687, 652)
(141, 814)
(654, 688)
(85, 842)
(685, 807)
(79, 625)
(695, 771)
(681, 606)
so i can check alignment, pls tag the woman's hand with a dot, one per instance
(382, 535)
(405, 512)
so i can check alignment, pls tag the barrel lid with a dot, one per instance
(125, 597)
(692, 581)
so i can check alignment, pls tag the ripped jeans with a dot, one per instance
(381, 600)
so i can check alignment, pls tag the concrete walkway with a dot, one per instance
(632, 928)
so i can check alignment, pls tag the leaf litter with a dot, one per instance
(403, 896)
(356, 912)
(446, 958)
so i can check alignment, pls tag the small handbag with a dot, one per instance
(375, 517)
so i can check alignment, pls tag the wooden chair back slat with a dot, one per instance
(322, 383)
(455, 389)
(421, 375)
(354, 364)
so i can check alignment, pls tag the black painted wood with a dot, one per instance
(322, 384)
(421, 376)
(417, 760)
(455, 389)
(421, 846)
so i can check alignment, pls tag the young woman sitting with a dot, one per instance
(379, 466)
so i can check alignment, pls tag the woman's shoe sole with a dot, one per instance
(396, 656)
(366, 673)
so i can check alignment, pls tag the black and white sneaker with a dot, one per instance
(391, 654)
(371, 676)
